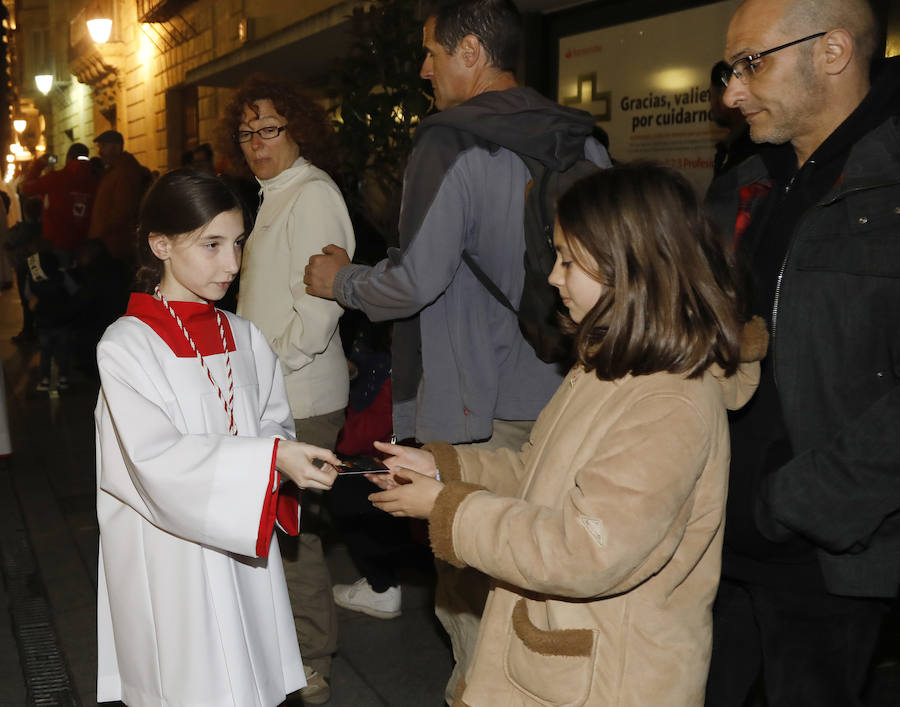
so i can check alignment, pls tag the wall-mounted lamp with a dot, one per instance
(100, 28)
(20, 124)
(44, 83)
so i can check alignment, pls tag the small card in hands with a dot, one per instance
(360, 465)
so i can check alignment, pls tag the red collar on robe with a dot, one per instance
(198, 318)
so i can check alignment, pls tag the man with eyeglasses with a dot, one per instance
(285, 140)
(812, 536)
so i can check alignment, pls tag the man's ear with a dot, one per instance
(470, 50)
(839, 49)
(159, 245)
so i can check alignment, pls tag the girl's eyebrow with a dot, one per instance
(219, 237)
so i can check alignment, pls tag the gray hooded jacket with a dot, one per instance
(459, 358)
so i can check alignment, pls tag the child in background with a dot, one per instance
(49, 291)
(24, 239)
(193, 430)
(603, 534)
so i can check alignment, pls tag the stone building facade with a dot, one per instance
(168, 69)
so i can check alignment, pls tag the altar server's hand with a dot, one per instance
(413, 497)
(321, 270)
(300, 463)
(420, 460)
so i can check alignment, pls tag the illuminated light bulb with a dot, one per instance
(44, 83)
(100, 29)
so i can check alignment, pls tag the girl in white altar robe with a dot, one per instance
(193, 440)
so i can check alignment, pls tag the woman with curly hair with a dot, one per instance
(284, 139)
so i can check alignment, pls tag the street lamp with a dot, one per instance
(44, 83)
(20, 124)
(99, 28)
(99, 21)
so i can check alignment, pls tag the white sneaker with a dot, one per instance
(360, 596)
(317, 691)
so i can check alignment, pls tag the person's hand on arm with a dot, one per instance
(413, 496)
(321, 270)
(297, 461)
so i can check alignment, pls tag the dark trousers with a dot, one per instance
(27, 314)
(810, 649)
(378, 543)
(55, 343)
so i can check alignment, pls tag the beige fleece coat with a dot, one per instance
(603, 537)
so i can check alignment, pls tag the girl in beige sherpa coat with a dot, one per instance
(603, 534)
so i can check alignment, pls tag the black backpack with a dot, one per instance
(539, 308)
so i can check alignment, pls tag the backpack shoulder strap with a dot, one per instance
(489, 284)
(539, 181)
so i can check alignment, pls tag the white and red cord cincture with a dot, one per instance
(227, 402)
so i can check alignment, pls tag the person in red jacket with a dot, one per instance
(68, 199)
(122, 185)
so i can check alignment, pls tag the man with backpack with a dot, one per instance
(462, 370)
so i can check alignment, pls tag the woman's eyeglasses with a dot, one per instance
(270, 132)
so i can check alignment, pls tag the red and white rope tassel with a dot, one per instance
(227, 401)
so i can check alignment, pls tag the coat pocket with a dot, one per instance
(859, 235)
(553, 667)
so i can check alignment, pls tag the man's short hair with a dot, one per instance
(496, 24)
(76, 150)
(113, 136)
(855, 16)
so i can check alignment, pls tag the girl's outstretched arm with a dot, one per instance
(624, 517)
(206, 487)
(412, 494)
(298, 461)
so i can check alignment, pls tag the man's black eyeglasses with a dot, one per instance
(745, 68)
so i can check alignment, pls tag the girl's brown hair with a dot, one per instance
(308, 124)
(671, 301)
(180, 202)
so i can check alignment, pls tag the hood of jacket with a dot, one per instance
(523, 121)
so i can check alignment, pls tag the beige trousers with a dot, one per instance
(307, 575)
